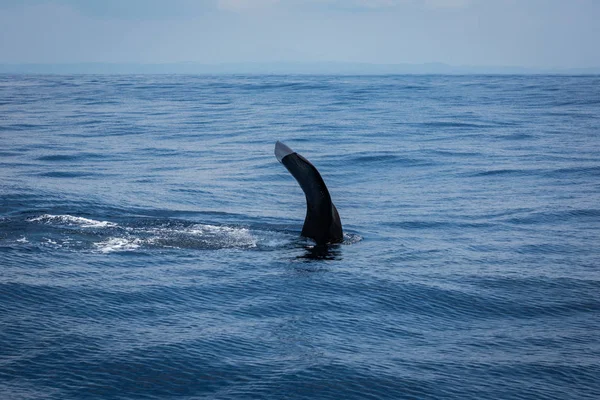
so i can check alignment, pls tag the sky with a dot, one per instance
(525, 33)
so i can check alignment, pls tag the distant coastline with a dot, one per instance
(323, 68)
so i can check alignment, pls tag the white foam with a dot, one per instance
(276, 242)
(23, 240)
(239, 237)
(72, 220)
(166, 236)
(224, 236)
(52, 243)
(351, 238)
(118, 244)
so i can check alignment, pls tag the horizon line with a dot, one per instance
(283, 67)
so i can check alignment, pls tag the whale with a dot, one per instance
(322, 222)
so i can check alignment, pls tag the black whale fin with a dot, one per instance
(322, 222)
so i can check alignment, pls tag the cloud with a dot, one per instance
(376, 3)
(244, 5)
(426, 3)
(447, 3)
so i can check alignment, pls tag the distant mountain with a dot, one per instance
(281, 68)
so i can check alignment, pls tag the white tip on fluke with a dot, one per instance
(281, 150)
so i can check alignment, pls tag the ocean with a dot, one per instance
(150, 241)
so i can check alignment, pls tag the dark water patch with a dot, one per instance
(165, 168)
(9, 153)
(502, 173)
(19, 127)
(445, 305)
(382, 158)
(366, 159)
(91, 122)
(191, 191)
(452, 153)
(547, 248)
(14, 165)
(438, 225)
(293, 86)
(84, 156)
(67, 174)
(568, 286)
(65, 303)
(518, 136)
(572, 215)
(576, 102)
(453, 124)
(583, 171)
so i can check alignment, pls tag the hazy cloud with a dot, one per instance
(244, 5)
(447, 3)
(375, 3)
(383, 4)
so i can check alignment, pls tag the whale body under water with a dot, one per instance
(322, 222)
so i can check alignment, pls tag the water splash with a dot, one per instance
(76, 233)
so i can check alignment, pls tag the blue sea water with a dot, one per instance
(150, 248)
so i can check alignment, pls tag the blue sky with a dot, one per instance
(528, 33)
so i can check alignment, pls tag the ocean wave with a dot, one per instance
(544, 217)
(71, 220)
(70, 157)
(502, 172)
(118, 244)
(66, 174)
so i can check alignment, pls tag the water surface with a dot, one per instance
(150, 248)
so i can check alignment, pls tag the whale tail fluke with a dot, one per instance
(322, 222)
